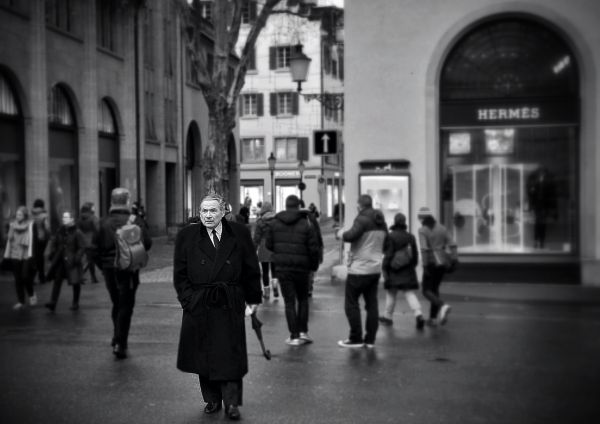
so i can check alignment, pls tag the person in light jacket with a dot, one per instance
(265, 256)
(19, 251)
(403, 278)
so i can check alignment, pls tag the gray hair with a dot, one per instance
(218, 198)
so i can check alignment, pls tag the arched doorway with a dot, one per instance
(12, 155)
(193, 170)
(64, 153)
(509, 125)
(108, 154)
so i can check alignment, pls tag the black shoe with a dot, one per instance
(385, 321)
(212, 407)
(233, 413)
(420, 322)
(119, 351)
(51, 306)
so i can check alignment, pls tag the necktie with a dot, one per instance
(215, 239)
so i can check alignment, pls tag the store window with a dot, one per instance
(509, 115)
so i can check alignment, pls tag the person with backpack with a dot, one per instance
(400, 258)
(40, 240)
(67, 249)
(122, 244)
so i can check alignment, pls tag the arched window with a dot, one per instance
(108, 154)
(8, 102)
(59, 108)
(509, 121)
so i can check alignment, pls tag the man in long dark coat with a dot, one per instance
(216, 273)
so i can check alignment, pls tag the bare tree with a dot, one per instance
(222, 80)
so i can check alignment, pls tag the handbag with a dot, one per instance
(444, 259)
(401, 258)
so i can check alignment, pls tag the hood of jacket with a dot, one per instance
(268, 215)
(291, 216)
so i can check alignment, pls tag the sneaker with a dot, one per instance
(266, 292)
(33, 300)
(444, 311)
(369, 345)
(306, 338)
(17, 306)
(420, 322)
(385, 321)
(294, 342)
(349, 343)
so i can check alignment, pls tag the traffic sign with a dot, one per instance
(325, 142)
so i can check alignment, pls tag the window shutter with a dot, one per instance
(259, 104)
(241, 105)
(326, 58)
(273, 104)
(252, 11)
(272, 64)
(252, 59)
(295, 105)
(303, 148)
(341, 68)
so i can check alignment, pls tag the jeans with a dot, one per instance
(121, 286)
(411, 299)
(294, 288)
(365, 286)
(266, 279)
(432, 279)
(23, 272)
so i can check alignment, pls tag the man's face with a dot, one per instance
(211, 213)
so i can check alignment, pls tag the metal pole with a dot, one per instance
(273, 192)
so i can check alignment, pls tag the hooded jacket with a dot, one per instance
(260, 232)
(366, 242)
(294, 242)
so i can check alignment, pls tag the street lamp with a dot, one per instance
(301, 185)
(272, 160)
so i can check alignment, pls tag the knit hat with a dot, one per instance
(424, 211)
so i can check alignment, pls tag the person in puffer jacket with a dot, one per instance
(295, 245)
(364, 270)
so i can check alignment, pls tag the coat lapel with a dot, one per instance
(205, 243)
(226, 246)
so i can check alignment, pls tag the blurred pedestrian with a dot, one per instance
(313, 209)
(294, 242)
(89, 224)
(139, 211)
(19, 251)
(437, 250)
(243, 217)
(121, 284)
(265, 217)
(313, 216)
(364, 270)
(400, 274)
(67, 250)
(215, 274)
(42, 234)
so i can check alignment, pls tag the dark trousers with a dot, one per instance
(294, 288)
(90, 265)
(59, 276)
(23, 272)
(432, 279)
(121, 286)
(229, 391)
(365, 286)
(265, 272)
(39, 247)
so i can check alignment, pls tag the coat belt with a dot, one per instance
(213, 294)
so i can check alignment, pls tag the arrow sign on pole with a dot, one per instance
(325, 142)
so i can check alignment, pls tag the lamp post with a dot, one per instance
(272, 160)
(301, 185)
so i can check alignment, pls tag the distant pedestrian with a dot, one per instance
(313, 216)
(313, 209)
(215, 273)
(67, 250)
(295, 245)
(121, 284)
(41, 236)
(399, 262)
(265, 256)
(243, 217)
(139, 211)
(364, 270)
(19, 251)
(437, 250)
(89, 225)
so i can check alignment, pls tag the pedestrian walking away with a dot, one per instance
(19, 253)
(265, 256)
(399, 274)
(366, 238)
(121, 281)
(89, 223)
(295, 245)
(67, 249)
(438, 252)
(40, 239)
(216, 275)
(313, 216)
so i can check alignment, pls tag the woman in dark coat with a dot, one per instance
(89, 225)
(66, 260)
(403, 278)
(214, 280)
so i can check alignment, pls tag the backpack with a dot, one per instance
(401, 258)
(130, 254)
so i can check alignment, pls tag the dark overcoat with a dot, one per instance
(213, 286)
(404, 278)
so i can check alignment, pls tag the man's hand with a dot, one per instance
(250, 309)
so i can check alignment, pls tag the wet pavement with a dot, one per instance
(510, 353)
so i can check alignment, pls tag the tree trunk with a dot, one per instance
(215, 161)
